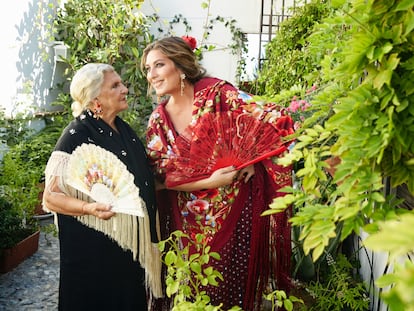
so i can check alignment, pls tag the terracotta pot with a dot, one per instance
(10, 258)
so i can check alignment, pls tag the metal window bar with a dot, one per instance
(273, 12)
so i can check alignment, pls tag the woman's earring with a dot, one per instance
(97, 112)
(182, 76)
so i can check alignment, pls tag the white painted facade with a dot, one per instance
(247, 13)
(220, 62)
(30, 72)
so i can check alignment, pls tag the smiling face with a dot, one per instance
(162, 73)
(113, 95)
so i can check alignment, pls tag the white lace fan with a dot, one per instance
(101, 175)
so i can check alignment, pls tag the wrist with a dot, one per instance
(83, 208)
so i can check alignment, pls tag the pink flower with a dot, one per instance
(191, 41)
(294, 106)
(313, 88)
(305, 106)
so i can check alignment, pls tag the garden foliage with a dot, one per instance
(113, 32)
(363, 118)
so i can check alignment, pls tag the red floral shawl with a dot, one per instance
(220, 209)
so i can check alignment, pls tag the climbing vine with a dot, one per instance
(237, 45)
(364, 116)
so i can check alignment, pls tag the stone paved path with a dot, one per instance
(33, 285)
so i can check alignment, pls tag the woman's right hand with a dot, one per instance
(223, 177)
(99, 210)
(219, 178)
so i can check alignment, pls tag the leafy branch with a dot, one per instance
(189, 272)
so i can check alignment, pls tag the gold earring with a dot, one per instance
(182, 76)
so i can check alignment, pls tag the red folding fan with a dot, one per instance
(223, 139)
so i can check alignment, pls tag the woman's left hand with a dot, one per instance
(99, 210)
(246, 173)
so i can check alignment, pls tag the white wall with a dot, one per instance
(29, 70)
(247, 13)
(220, 62)
(27, 57)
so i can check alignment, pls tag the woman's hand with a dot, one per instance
(222, 177)
(219, 178)
(55, 200)
(99, 210)
(246, 173)
(159, 185)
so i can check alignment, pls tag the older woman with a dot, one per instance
(99, 268)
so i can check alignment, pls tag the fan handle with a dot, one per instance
(262, 157)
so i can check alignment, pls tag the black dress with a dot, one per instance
(95, 272)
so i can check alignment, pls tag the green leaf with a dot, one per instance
(170, 258)
(199, 238)
(404, 5)
(295, 299)
(378, 197)
(383, 77)
(161, 246)
(338, 3)
(386, 280)
(195, 267)
(317, 252)
(215, 255)
(279, 204)
(173, 288)
(395, 236)
(306, 138)
(204, 281)
(288, 305)
(409, 22)
(208, 271)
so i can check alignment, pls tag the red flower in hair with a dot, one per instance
(191, 41)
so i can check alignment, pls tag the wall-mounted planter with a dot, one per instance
(10, 258)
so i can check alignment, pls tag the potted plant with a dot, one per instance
(19, 195)
(21, 171)
(18, 239)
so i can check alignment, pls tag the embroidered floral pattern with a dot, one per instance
(206, 211)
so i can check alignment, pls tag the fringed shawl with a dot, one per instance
(268, 234)
(137, 234)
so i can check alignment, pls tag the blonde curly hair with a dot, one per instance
(86, 85)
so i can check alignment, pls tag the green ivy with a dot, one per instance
(363, 117)
(288, 59)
